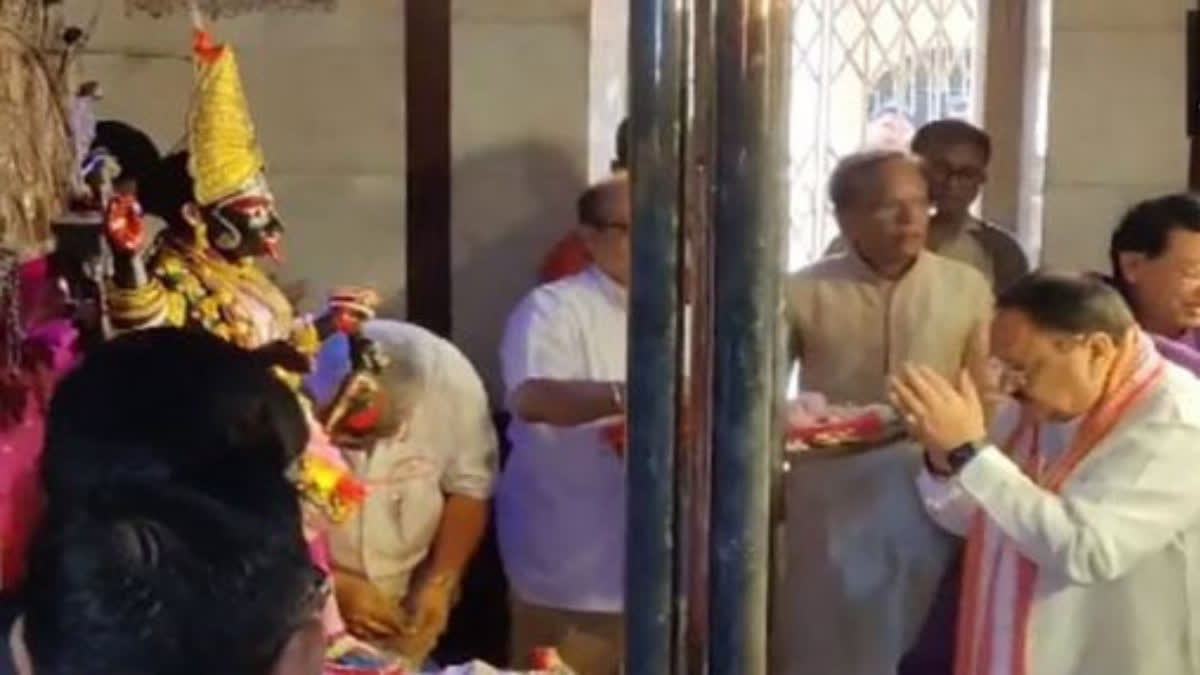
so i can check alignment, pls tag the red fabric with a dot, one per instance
(204, 48)
(21, 443)
(569, 256)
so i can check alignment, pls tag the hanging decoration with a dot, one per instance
(225, 8)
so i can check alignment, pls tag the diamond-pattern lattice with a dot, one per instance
(868, 72)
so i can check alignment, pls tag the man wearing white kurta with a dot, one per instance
(560, 505)
(1082, 511)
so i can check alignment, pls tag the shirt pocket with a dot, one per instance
(406, 507)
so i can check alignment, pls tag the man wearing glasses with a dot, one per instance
(864, 556)
(560, 503)
(954, 156)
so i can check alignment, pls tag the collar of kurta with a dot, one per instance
(863, 271)
(1184, 351)
(615, 292)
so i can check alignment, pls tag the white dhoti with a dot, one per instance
(861, 562)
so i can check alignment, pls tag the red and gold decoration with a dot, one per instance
(123, 223)
(330, 488)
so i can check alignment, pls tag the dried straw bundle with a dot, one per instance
(35, 150)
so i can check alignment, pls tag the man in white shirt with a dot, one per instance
(429, 474)
(1081, 509)
(560, 505)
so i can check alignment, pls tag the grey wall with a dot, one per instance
(519, 126)
(326, 92)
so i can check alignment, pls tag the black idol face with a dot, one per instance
(247, 224)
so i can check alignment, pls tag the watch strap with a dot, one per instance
(961, 456)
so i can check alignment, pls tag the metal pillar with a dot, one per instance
(657, 34)
(695, 452)
(750, 154)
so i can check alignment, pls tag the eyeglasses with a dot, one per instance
(892, 211)
(969, 174)
(618, 226)
(1006, 377)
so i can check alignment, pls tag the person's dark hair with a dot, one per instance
(1145, 229)
(589, 208)
(846, 183)
(621, 162)
(166, 190)
(951, 132)
(131, 147)
(1069, 304)
(155, 579)
(175, 406)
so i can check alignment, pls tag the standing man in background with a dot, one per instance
(560, 505)
(569, 254)
(1155, 256)
(954, 156)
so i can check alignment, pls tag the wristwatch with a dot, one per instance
(961, 456)
(956, 459)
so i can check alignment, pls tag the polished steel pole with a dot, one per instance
(657, 80)
(750, 161)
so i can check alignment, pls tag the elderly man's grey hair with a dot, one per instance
(856, 173)
(404, 371)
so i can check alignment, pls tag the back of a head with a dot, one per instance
(601, 202)
(411, 352)
(165, 190)
(1069, 304)
(172, 405)
(951, 132)
(1146, 227)
(132, 148)
(153, 579)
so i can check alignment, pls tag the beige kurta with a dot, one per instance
(985, 246)
(851, 328)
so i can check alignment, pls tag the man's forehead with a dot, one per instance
(957, 150)
(1012, 333)
(899, 176)
(1183, 243)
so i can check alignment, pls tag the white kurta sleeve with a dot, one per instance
(539, 341)
(947, 504)
(474, 457)
(1099, 529)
